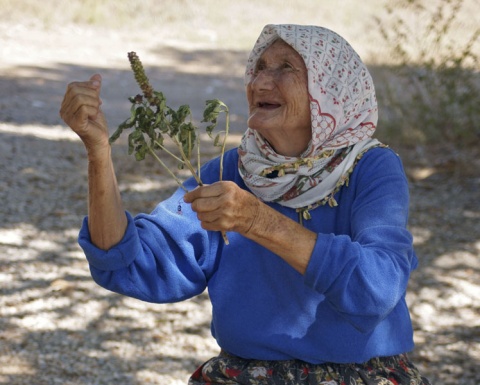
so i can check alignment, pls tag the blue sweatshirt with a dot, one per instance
(348, 307)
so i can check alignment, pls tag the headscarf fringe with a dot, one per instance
(344, 181)
(285, 167)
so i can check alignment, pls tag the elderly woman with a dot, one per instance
(311, 289)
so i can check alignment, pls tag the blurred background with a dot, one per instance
(57, 327)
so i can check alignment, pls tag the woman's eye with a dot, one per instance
(277, 70)
(258, 68)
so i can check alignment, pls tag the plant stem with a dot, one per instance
(166, 168)
(192, 170)
(199, 166)
(187, 161)
(227, 124)
(162, 147)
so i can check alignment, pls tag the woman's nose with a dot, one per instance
(264, 79)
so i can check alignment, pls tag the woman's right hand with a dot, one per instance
(81, 111)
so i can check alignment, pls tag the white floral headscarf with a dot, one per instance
(344, 116)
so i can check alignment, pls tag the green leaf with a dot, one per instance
(131, 146)
(149, 112)
(151, 133)
(186, 136)
(118, 132)
(188, 127)
(173, 129)
(210, 128)
(158, 142)
(133, 112)
(134, 139)
(163, 127)
(162, 99)
(158, 119)
(141, 152)
(138, 111)
(182, 113)
(213, 108)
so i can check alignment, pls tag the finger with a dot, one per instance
(97, 79)
(74, 100)
(94, 84)
(205, 205)
(208, 217)
(213, 222)
(83, 116)
(81, 93)
(204, 191)
(79, 108)
(78, 94)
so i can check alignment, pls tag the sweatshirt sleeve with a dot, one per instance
(364, 272)
(163, 257)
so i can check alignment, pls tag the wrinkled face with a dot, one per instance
(279, 106)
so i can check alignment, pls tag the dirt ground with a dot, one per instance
(58, 327)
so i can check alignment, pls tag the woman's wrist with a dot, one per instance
(98, 153)
(256, 207)
(283, 236)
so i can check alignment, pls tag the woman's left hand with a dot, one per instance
(223, 206)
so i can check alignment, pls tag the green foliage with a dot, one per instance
(437, 96)
(151, 120)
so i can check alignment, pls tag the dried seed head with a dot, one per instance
(140, 76)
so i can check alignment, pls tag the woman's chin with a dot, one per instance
(261, 127)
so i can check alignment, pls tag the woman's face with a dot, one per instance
(279, 106)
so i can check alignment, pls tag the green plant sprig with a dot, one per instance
(151, 120)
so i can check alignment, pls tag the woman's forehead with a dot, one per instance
(280, 49)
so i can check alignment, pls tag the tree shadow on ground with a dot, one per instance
(43, 194)
(34, 98)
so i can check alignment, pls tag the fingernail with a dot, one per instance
(96, 83)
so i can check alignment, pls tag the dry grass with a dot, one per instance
(234, 24)
(231, 25)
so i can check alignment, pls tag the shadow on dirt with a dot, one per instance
(35, 96)
(43, 194)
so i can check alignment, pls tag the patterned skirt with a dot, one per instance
(229, 369)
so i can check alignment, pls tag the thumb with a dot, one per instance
(96, 81)
(96, 77)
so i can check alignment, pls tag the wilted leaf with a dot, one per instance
(210, 128)
(141, 151)
(213, 109)
(182, 113)
(118, 131)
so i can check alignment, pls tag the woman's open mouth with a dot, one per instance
(268, 106)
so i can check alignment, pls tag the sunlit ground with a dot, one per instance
(56, 325)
